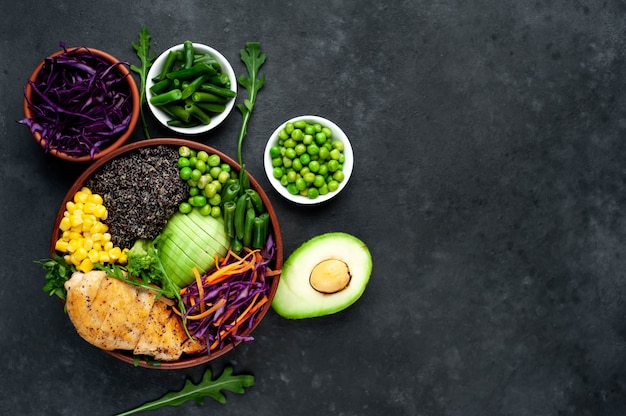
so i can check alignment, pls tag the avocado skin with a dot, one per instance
(296, 299)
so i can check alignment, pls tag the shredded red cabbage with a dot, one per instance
(80, 103)
(238, 291)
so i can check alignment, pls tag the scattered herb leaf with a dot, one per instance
(253, 59)
(58, 271)
(207, 387)
(143, 52)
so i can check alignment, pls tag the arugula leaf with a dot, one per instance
(207, 387)
(253, 59)
(58, 271)
(143, 52)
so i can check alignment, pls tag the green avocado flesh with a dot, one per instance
(325, 275)
(186, 243)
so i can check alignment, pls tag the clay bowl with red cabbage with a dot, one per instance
(81, 103)
(244, 313)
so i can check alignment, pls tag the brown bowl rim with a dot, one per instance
(134, 92)
(200, 359)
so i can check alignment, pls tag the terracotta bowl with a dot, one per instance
(191, 360)
(120, 140)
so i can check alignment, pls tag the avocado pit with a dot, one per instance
(330, 276)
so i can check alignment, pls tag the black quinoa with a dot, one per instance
(141, 191)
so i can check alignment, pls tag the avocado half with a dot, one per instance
(325, 275)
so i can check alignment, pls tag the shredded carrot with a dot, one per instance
(200, 288)
(209, 311)
(252, 308)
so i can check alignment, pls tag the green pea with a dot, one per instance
(216, 211)
(323, 190)
(185, 173)
(305, 159)
(292, 189)
(314, 166)
(333, 165)
(300, 149)
(215, 199)
(309, 129)
(206, 210)
(274, 151)
(309, 177)
(319, 181)
(338, 176)
(277, 161)
(283, 134)
(277, 172)
(284, 181)
(307, 139)
(193, 191)
(300, 184)
(296, 134)
(312, 193)
(201, 165)
(291, 153)
(291, 176)
(183, 162)
(198, 201)
(192, 161)
(320, 138)
(318, 127)
(184, 151)
(333, 186)
(335, 154)
(185, 207)
(323, 170)
(287, 162)
(214, 160)
(223, 176)
(215, 171)
(338, 144)
(225, 167)
(202, 155)
(313, 149)
(289, 128)
(195, 174)
(342, 158)
(210, 190)
(300, 124)
(289, 143)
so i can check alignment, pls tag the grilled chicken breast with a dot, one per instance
(114, 315)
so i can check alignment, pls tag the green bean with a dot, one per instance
(229, 208)
(212, 107)
(248, 226)
(207, 97)
(240, 213)
(193, 86)
(166, 97)
(260, 230)
(161, 86)
(197, 112)
(231, 192)
(224, 92)
(183, 124)
(188, 54)
(236, 245)
(170, 60)
(256, 200)
(193, 72)
(177, 111)
(206, 58)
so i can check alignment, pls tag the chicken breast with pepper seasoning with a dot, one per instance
(114, 315)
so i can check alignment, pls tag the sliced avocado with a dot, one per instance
(212, 226)
(325, 275)
(203, 231)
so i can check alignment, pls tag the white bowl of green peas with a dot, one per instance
(308, 160)
(191, 88)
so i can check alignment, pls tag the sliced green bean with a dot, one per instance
(193, 72)
(229, 208)
(194, 85)
(171, 59)
(248, 227)
(197, 112)
(177, 111)
(240, 214)
(166, 97)
(188, 54)
(212, 107)
(199, 96)
(161, 86)
(221, 91)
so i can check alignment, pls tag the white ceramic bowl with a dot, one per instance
(337, 134)
(163, 117)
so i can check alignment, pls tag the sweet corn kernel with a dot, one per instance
(101, 212)
(76, 220)
(80, 254)
(86, 190)
(108, 246)
(95, 199)
(104, 257)
(93, 255)
(88, 243)
(81, 196)
(97, 237)
(74, 235)
(65, 224)
(89, 207)
(61, 245)
(72, 246)
(106, 237)
(115, 253)
(85, 266)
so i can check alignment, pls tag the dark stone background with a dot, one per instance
(489, 185)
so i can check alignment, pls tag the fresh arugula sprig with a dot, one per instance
(253, 59)
(143, 52)
(207, 387)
